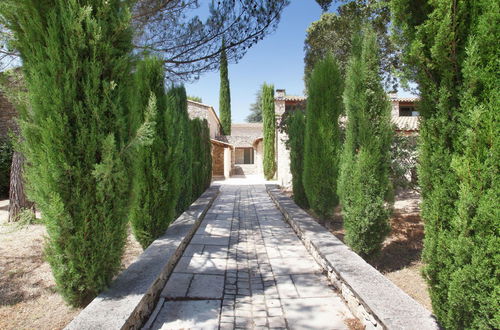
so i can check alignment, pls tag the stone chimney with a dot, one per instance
(280, 94)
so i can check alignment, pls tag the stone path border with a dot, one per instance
(374, 299)
(134, 293)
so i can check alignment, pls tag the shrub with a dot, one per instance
(365, 161)
(296, 126)
(321, 149)
(155, 174)
(6, 151)
(76, 63)
(269, 123)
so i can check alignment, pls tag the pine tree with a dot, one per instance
(225, 95)
(155, 175)
(76, 62)
(450, 51)
(269, 123)
(296, 130)
(365, 161)
(322, 143)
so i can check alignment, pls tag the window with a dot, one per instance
(244, 156)
(407, 112)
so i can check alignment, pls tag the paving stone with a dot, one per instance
(312, 286)
(286, 288)
(279, 322)
(177, 285)
(206, 286)
(286, 266)
(316, 313)
(196, 314)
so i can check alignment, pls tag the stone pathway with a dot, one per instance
(246, 268)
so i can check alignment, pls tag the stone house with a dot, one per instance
(404, 116)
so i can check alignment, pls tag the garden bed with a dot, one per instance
(400, 258)
(28, 299)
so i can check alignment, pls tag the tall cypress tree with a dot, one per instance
(474, 242)
(225, 94)
(450, 50)
(322, 142)
(296, 130)
(269, 123)
(76, 62)
(202, 163)
(365, 160)
(156, 171)
(177, 103)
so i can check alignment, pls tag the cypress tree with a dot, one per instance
(451, 50)
(365, 160)
(177, 103)
(269, 123)
(202, 162)
(296, 131)
(155, 175)
(225, 94)
(322, 143)
(474, 240)
(76, 63)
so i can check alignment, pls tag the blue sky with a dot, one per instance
(278, 59)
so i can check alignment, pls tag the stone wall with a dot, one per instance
(7, 116)
(202, 111)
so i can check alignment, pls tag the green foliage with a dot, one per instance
(195, 98)
(177, 103)
(452, 52)
(225, 95)
(155, 174)
(202, 156)
(321, 150)
(6, 151)
(255, 115)
(333, 32)
(269, 123)
(76, 61)
(296, 127)
(365, 162)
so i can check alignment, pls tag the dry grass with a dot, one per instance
(28, 299)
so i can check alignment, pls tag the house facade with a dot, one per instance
(241, 153)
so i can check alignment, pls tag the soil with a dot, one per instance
(28, 299)
(400, 258)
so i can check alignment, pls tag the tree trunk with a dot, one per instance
(18, 200)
